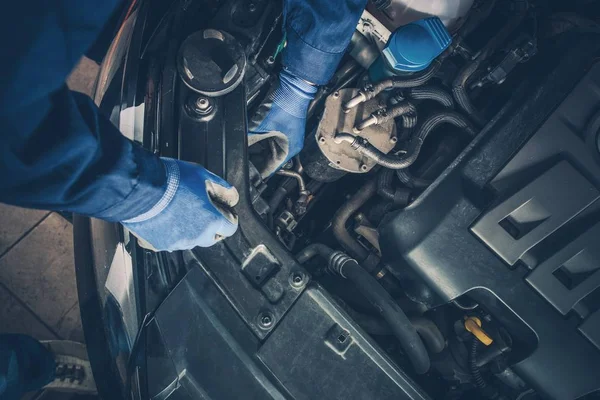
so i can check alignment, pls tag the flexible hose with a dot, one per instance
(313, 250)
(431, 92)
(344, 213)
(405, 332)
(427, 330)
(430, 333)
(382, 116)
(475, 372)
(412, 181)
(399, 324)
(459, 86)
(459, 91)
(414, 147)
(399, 196)
(398, 82)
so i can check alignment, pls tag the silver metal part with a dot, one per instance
(402, 12)
(372, 29)
(336, 121)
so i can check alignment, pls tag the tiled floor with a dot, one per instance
(38, 293)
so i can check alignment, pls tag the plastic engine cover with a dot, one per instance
(515, 223)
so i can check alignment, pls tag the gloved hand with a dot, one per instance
(282, 121)
(194, 211)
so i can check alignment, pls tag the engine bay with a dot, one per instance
(436, 236)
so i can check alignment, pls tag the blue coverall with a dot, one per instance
(58, 152)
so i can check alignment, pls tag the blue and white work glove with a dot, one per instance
(281, 119)
(196, 210)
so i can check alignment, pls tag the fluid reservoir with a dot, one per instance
(396, 13)
(411, 48)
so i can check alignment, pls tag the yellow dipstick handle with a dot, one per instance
(473, 325)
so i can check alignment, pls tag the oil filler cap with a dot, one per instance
(414, 46)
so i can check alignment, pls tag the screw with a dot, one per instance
(336, 95)
(322, 139)
(364, 167)
(393, 139)
(297, 279)
(265, 320)
(251, 7)
(203, 105)
(271, 60)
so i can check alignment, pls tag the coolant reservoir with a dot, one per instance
(396, 13)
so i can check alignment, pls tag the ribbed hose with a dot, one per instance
(431, 92)
(398, 82)
(409, 122)
(412, 181)
(384, 184)
(475, 373)
(397, 110)
(459, 91)
(414, 148)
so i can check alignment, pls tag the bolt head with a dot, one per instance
(266, 320)
(297, 279)
(393, 139)
(336, 95)
(364, 167)
(322, 139)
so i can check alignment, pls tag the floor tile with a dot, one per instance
(69, 326)
(16, 221)
(40, 270)
(15, 318)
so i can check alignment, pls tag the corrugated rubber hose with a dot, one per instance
(392, 161)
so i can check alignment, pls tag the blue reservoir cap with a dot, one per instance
(414, 46)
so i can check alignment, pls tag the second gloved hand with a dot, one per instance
(196, 210)
(281, 121)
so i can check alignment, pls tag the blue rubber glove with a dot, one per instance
(282, 120)
(194, 211)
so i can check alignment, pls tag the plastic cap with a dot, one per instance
(414, 46)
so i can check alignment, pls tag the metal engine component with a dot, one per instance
(342, 156)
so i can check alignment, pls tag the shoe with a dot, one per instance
(73, 372)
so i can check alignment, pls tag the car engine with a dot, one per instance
(438, 234)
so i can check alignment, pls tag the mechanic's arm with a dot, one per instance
(317, 32)
(58, 152)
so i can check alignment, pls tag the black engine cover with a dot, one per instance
(515, 222)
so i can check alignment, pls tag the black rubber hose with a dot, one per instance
(414, 147)
(402, 82)
(344, 213)
(459, 86)
(313, 250)
(398, 82)
(430, 333)
(427, 330)
(399, 196)
(404, 331)
(384, 184)
(459, 91)
(431, 92)
(410, 180)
